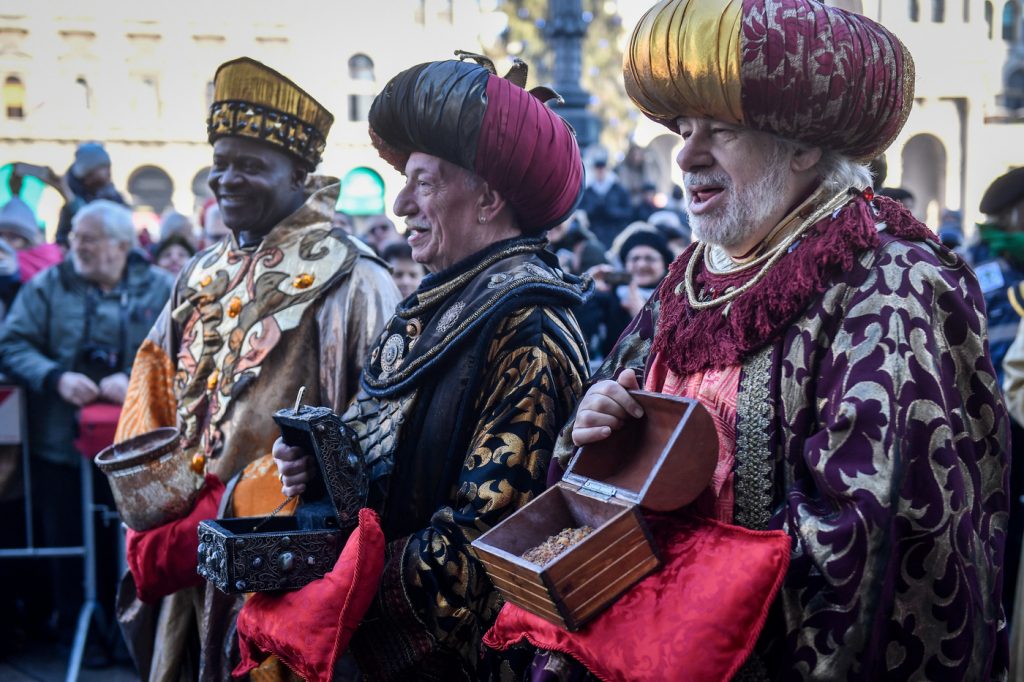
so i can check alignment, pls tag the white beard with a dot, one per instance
(745, 209)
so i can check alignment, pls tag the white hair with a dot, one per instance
(114, 218)
(839, 172)
(836, 171)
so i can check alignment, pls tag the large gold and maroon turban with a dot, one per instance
(795, 68)
(464, 113)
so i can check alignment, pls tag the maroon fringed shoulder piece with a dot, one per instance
(698, 340)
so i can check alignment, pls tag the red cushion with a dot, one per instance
(696, 619)
(309, 627)
(96, 426)
(163, 559)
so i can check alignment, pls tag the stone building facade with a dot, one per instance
(138, 77)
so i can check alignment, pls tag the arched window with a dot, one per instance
(152, 187)
(14, 97)
(914, 10)
(1011, 13)
(360, 71)
(938, 11)
(924, 175)
(201, 191)
(988, 17)
(360, 68)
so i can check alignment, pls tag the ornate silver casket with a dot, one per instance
(263, 554)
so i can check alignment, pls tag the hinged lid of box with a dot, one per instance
(320, 431)
(661, 461)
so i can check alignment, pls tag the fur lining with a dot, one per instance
(698, 340)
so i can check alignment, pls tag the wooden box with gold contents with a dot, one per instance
(586, 537)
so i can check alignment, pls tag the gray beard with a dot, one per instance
(745, 210)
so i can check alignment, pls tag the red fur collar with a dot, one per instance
(697, 340)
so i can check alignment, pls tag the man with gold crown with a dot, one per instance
(839, 347)
(286, 301)
(463, 395)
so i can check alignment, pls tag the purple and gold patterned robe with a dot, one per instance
(871, 429)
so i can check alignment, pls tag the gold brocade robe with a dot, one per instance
(245, 328)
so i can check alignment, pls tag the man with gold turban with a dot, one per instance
(840, 348)
(286, 301)
(463, 395)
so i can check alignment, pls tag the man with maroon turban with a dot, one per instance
(840, 348)
(462, 398)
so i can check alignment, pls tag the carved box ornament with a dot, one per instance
(660, 462)
(264, 554)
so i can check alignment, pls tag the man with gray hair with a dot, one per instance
(839, 347)
(70, 339)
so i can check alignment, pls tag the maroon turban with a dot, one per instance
(464, 114)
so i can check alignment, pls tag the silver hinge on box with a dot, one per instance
(598, 490)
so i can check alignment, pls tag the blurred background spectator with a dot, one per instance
(214, 229)
(951, 231)
(674, 229)
(644, 203)
(173, 224)
(637, 170)
(406, 272)
(22, 250)
(342, 221)
(606, 202)
(70, 338)
(87, 180)
(620, 293)
(577, 248)
(378, 231)
(904, 196)
(172, 253)
(997, 255)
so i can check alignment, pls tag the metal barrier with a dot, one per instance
(14, 431)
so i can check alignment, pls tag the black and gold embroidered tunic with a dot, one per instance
(461, 402)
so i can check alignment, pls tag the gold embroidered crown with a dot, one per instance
(252, 100)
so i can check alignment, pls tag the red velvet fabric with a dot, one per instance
(163, 559)
(96, 426)
(308, 628)
(696, 619)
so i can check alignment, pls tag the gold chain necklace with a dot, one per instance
(837, 201)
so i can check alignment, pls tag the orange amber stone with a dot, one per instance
(205, 281)
(198, 463)
(234, 307)
(211, 382)
(303, 281)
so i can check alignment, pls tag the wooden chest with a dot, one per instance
(661, 462)
(264, 554)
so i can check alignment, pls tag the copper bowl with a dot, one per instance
(151, 478)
